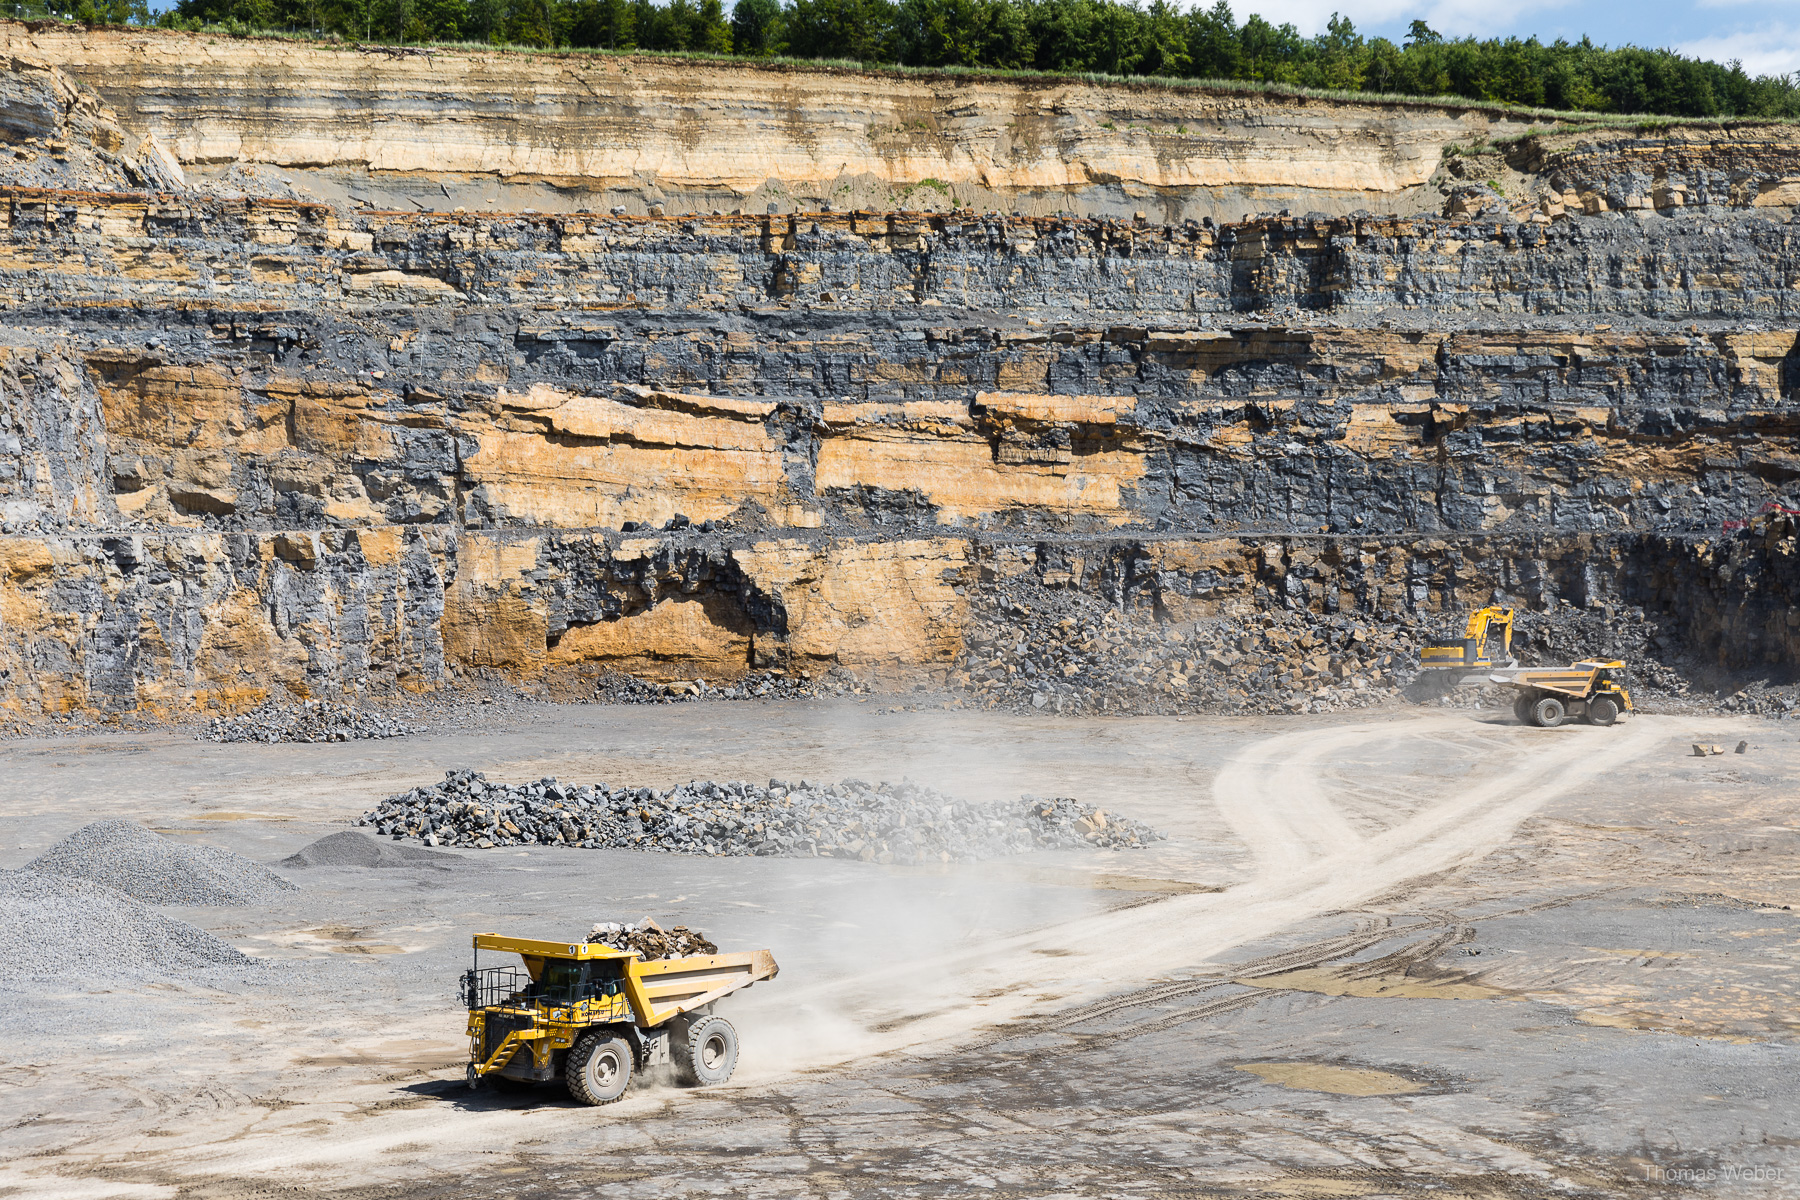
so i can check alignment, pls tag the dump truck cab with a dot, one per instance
(593, 1016)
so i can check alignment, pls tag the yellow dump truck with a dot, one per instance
(1548, 696)
(592, 1016)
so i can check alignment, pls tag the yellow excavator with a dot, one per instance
(1547, 696)
(1477, 651)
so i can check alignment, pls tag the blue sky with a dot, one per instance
(1764, 35)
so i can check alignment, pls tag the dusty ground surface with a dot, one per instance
(1422, 953)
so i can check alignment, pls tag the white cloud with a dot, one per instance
(1771, 50)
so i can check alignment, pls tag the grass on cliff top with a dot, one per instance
(1562, 121)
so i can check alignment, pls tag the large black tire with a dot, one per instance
(705, 1052)
(598, 1069)
(1602, 710)
(1548, 712)
(1522, 707)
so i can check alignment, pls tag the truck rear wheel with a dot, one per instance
(598, 1069)
(1522, 707)
(1602, 710)
(705, 1052)
(1548, 712)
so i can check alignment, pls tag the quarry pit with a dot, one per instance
(1008, 436)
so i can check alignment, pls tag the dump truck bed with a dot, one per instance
(667, 987)
(657, 990)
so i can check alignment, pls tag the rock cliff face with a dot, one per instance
(249, 443)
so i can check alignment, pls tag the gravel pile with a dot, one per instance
(305, 721)
(651, 940)
(52, 925)
(353, 849)
(888, 823)
(131, 859)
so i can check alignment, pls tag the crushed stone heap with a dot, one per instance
(651, 940)
(353, 849)
(305, 721)
(888, 823)
(57, 926)
(139, 862)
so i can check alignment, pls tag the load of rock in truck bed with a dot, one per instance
(888, 822)
(650, 940)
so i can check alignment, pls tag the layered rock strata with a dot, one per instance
(254, 445)
(468, 127)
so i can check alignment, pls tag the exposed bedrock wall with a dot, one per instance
(266, 367)
(254, 445)
(579, 130)
(176, 621)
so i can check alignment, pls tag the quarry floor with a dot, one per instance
(1480, 960)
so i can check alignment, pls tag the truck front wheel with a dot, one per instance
(705, 1052)
(598, 1069)
(1602, 710)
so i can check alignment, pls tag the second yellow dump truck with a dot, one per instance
(592, 1016)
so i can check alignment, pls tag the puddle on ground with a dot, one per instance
(1339, 1081)
(1644, 954)
(1643, 1022)
(410, 1054)
(1342, 981)
(333, 939)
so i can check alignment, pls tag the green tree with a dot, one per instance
(756, 27)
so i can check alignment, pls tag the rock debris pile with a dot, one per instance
(1764, 699)
(887, 822)
(141, 863)
(52, 925)
(651, 940)
(616, 687)
(1073, 654)
(1039, 648)
(305, 721)
(353, 849)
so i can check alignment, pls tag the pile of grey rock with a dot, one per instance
(350, 848)
(305, 721)
(55, 926)
(1068, 653)
(1035, 648)
(81, 910)
(616, 687)
(141, 863)
(887, 823)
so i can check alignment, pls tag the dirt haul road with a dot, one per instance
(1312, 855)
(1277, 993)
